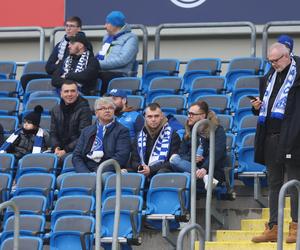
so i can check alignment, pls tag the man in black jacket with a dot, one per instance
(68, 119)
(155, 144)
(80, 66)
(278, 133)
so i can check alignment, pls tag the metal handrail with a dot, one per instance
(185, 230)
(205, 25)
(210, 176)
(16, 221)
(267, 26)
(116, 165)
(281, 213)
(102, 27)
(33, 28)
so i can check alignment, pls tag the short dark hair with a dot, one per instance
(153, 106)
(69, 82)
(75, 19)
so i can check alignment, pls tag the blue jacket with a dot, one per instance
(116, 145)
(122, 52)
(132, 120)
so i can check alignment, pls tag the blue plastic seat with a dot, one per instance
(5, 186)
(25, 243)
(38, 85)
(46, 102)
(246, 161)
(226, 121)
(137, 102)
(68, 165)
(8, 69)
(171, 104)
(131, 85)
(218, 103)
(9, 87)
(7, 163)
(9, 106)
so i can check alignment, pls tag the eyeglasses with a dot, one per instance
(193, 114)
(105, 108)
(275, 60)
(71, 26)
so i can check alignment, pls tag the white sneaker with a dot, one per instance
(214, 183)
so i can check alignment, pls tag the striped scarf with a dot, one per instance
(278, 108)
(37, 145)
(161, 146)
(62, 48)
(81, 65)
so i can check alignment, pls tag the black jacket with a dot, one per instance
(116, 145)
(87, 78)
(289, 147)
(64, 135)
(136, 160)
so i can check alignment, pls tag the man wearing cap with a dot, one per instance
(278, 133)
(117, 56)
(80, 66)
(287, 41)
(126, 115)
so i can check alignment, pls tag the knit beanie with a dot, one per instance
(287, 41)
(116, 18)
(34, 117)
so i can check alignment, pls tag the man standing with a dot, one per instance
(155, 144)
(107, 139)
(129, 118)
(117, 56)
(80, 66)
(278, 133)
(68, 119)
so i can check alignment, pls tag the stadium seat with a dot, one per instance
(171, 104)
(242, 109)
(46, 102)
(9, 87)
(7, 163)
(132, 85)
(5, 186)
(157, 68)
(245, 126)
(248, 140)
(130, 220)
(8, 69)
(45, 122)
(91, 100)
(73, 233)
(38, 85)
(9, 106)
(68, 165)
(9, 124)
(218, 103)
(35, 67)
(25, 243)
(137, 102)
(226, 121)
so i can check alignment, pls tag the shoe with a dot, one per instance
(292, 237)
(267, 235)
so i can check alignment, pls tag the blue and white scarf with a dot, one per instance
(105, 47)
(62, 48)
(97, 152)
(37, 145)
(279, 104)
(81, 65)
(161, 146)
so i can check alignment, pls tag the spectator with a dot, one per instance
(68, 119)
(126, 115)
(288, 42)
(61, 51)
(28, 139)
(107, 139)
(117, 56)
(80, 66)
(278, 133)
(155, 143)
(182, 162)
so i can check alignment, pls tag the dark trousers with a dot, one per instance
(106, 76)
(276, 179)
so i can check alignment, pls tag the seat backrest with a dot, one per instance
(136, 101)
(166, 82)
(36, 180)
(39, 85)
(127, 83)
(91, 100)
(78, 180)
(68, 165)
(9, 123)
(243, 102)
(162, 65)
(5, 183)
(9, 105)
(45, 122)
(181, 118)
(226, 121)
(35, 67)
(218, 103)
(248, 140)
(28, 222)
(248, 121)
(230, 141)
(46, 161)
(83, 203)
(8, 69)
(30, 203)
(254, 63)
(7, 162)
(210, 64)
(128, 202)
(171, 101)
(9, 87)
(46, 102)
(130, 180)
(25, 243)
(247, 82)
(203, 82)
(75, 223)
(172, 180)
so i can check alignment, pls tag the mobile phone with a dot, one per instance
(251, 97)
(140, 168)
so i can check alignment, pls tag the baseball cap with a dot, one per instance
(118, 93)
(287, 41)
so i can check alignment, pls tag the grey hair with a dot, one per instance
(104, 101)
(279, 47)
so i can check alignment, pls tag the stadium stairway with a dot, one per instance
(241, 239)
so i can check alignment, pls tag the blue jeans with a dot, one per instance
(180, 165)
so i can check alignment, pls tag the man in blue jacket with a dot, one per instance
(106, 139)
(117, 56)
(126, 115)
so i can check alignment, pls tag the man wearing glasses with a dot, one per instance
(106, 139)
(278, 133)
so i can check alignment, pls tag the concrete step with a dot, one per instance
(259, 225)
(238, 235)
(237, 245)
(265, 213)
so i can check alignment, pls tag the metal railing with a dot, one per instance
(16, 221)
(210, 177)
(205, 25)
(101, 27)
(116, 165)
(185, 230)
(266, 29)
(33, 28)
(281, 213)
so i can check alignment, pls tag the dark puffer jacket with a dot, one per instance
(65, 134)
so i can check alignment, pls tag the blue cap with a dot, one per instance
(116, 18)
(117, 93)
(287, 41)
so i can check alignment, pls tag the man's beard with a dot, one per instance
(118, 110)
